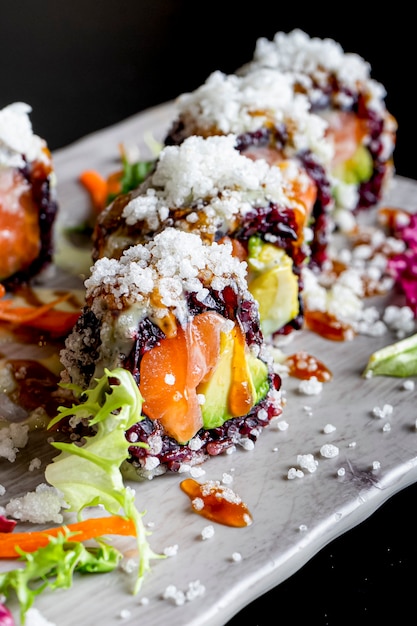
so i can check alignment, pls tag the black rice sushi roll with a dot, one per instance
(340, 88)
(177, 313)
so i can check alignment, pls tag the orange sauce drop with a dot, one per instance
(217, 502)
(328, 326)
(306, 366)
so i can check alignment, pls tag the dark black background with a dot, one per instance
(84, 65)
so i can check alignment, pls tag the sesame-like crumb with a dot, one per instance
(311, 387)
(293, 472)
(207, 532)
(171, 550)
(307, 462)
(39, 506)
(329, 451)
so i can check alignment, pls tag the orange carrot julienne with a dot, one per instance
(87, 529)
(96, 186)
(101, 189)
(43, 317)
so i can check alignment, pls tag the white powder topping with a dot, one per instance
(171, 550)
(227, 479)
(12, 438)
(329, 428)
(34, 464)
(293, 472)
(329, 451)
(238, 104)
(156, 277)
(383, 412)
(210, 175)
(198, 504)
(39, 506)
(307, 462)
(178, 597)
(197, 472)
(315, 58)
(17, 141)
(311, 387)
(207, 532)
(175, 595)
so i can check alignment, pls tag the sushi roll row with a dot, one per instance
(199, 269)
(28, 203)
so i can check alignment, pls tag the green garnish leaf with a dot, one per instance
(398, 359)
(52, 567)
(133, 175)
(89, 474)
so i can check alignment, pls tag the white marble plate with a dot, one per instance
(293, 519)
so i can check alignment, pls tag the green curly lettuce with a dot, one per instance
(52, 567)
(89, 474)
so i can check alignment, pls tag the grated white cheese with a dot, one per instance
(18, 143)
(207, 532)
(307, 462)
(13, 437)
(236, 104)
(329, 451)
(39, 506)
(311, 387)
(209, 175)
(313, 59)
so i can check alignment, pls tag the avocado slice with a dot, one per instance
(357, 169)
(273, 284)
(217, 389)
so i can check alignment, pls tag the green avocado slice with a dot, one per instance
(216, 390)
(273, 284)
(357, 169)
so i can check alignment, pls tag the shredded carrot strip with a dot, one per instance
(87, 529)
(96, 186)
(22, 314)
(43, 317)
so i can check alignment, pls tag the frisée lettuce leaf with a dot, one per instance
(52, 567)
(89, 474)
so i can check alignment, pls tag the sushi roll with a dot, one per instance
(341, 90)
(273, 123)
(177, 313)
(206, 186)
(28, 204)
